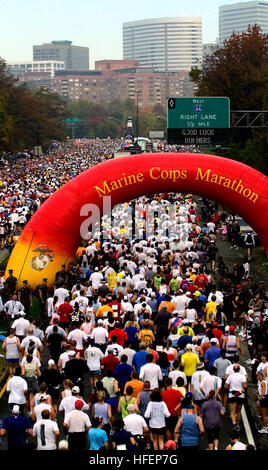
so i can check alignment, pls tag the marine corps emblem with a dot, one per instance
(41, 261)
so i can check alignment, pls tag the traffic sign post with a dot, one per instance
(198, 121)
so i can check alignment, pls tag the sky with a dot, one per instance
(96, 24)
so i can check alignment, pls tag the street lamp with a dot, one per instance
(137, 111)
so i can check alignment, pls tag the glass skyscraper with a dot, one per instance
(166, 44)
(237, 17)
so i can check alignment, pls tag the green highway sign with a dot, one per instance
(198, 120)
(76, 119)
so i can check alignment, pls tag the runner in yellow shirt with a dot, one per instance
(189, 361)
(211, 309)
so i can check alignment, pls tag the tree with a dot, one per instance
(28, 117)
(239, 70)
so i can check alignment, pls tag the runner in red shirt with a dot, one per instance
(109, 362)
(216, 331)
(201, 280)
(172, 398)
(119, 333)
(116, 306)
(64, 311)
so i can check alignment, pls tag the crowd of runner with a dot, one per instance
(152, 321)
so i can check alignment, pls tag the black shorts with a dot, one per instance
(264, 403)
(171, 422)
(158, 431)
(33, 385)
(213, 434)
(238, 400)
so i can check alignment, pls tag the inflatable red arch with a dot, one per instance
(52, 235)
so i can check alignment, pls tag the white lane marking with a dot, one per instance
(247, 427)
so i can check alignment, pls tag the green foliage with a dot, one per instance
(103, 121)
(28, 117)
(239, 70)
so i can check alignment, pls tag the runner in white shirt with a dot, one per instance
(116, 348)
(135, 423)
(47, 432)
(21, 325)
(96, 279)
(61, 293)
(17, 388)
(82, 301)
(79, 336)
(151, 372)
(196, 381)
(93, 356)
(31, 338)
(211, 382)
(67, 404)
(100, 334)
(43, 405)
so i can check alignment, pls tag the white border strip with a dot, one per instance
(247, 427)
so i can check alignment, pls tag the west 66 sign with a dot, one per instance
(198, 120)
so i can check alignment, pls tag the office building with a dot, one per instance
(42, 66)
(74, 57)
(102, 87)
(237, 17)
(165, 44)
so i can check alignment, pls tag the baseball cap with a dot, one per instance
(75, 390)
(213, 341)
(16, 409)
(189, 346)
(227, 328)
(197, 293)
(51, 362)
(100, 322)
(188, 293)
(79, 404)
(71, 353)
(250, 311)
(231, 328)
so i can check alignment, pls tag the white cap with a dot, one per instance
(75, 389)
(51, 362)
(188, 293)
(16, 409)
(189, 346)
(100, 322)
(71, 353)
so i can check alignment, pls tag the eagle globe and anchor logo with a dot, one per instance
(41, 261)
